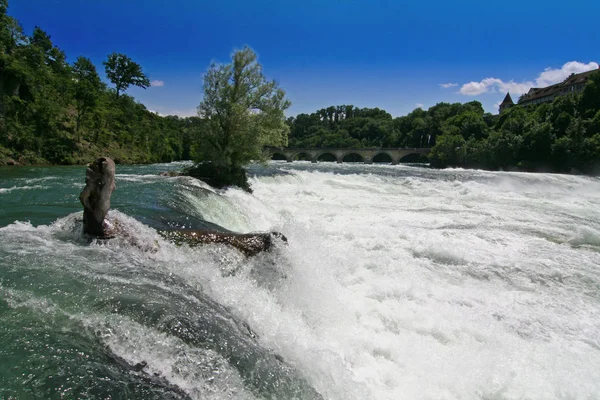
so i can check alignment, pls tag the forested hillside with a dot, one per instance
(560, 136)
(53, 111)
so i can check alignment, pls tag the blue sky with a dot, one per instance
(389, 54)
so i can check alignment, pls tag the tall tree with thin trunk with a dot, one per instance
(87, 88)
(244, 112)
(123, 72)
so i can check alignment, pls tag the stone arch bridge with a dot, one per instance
(367, 156)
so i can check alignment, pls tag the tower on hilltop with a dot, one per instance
(506, 103)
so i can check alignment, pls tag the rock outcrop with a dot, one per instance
(95, 197)
(170, 173)
(250, 243)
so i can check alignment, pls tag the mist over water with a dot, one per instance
(397, 282)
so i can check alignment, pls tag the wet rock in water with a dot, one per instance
(170, 173)
(250, 243)
(95, 197)
(219, 176)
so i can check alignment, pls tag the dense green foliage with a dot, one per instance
(349, 126)
(55, 112)
(243, 113)
(560, 136)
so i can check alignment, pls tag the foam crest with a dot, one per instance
(201, 373)
(585, 236)
(421, 287)
(14, 188)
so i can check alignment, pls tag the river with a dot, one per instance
(397, 282)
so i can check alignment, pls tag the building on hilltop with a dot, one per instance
(506, 103)
(573, 84)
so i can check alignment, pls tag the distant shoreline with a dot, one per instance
(538, 170)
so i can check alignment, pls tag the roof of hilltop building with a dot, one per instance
(572, 80)
(508, 101)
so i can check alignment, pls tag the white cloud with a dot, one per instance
(157, 83)
(165, 111)
(183, 113)
(448, 85)
(475, 88)
(552, 76)
(419, 105)
(492, 85)
(548, 77)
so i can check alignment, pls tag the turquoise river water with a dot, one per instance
(397, 282)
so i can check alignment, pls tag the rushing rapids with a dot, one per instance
(396, 282)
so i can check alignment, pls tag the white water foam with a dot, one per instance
(455, 285)
(201, 373)
(430, 288)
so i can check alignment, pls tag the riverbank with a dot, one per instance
(123, 157)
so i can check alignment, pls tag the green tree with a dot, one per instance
(45, 53)
(470, 124)
(123, 72)
(4, 30)
(503, 149)
(449, 151)
(594, 128)
(590, 98)
(244, 111)
(87, 88)
(536, 148)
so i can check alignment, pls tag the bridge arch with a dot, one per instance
(301, 156)
(279, 157)
(327, 156)
(382, 158)
(353, 157)
(413, 158)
